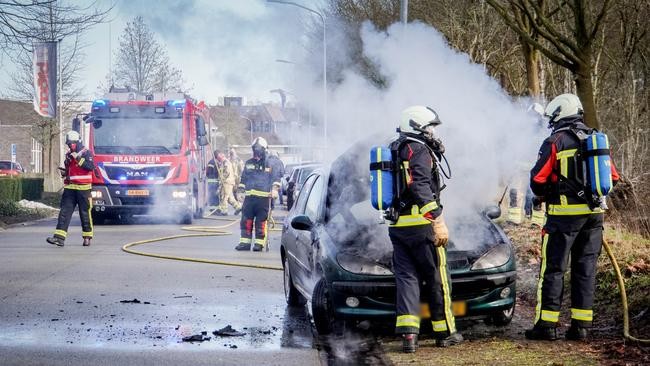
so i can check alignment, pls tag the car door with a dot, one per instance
(308, 241)
(291, 240)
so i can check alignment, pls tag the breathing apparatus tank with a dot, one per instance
(597, 164)
(381, 178)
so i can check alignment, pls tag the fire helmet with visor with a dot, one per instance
(260, 147)
(563, 106)
(73, 140)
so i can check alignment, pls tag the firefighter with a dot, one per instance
(227, 185)
(420, 234)
(77, 176)
(212, 174)
(260, 181)
(238, 167)
(573, 227)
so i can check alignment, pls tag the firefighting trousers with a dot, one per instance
(420, 266)
(227, 197)
(578, 238)
(255, 213)
(70, 199)
(213, 193)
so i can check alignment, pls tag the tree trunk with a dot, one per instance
(531, 55)
(585, 91)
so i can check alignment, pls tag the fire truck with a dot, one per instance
(150, 152)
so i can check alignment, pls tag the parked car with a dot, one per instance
(288, 169)
(298, 177)
(336, 253)
(9, 169)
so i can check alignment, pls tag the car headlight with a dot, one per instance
(96, 194)
(358, 265)
(179, 194)
(495, 257)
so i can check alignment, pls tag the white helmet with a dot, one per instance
(563, 106)
(260, 141)
(72, 137)
(414, 119)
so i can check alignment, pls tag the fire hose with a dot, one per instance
(202, 231)
(621, 286)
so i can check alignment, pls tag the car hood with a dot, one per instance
(355, 227)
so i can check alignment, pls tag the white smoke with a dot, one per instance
(489, 138)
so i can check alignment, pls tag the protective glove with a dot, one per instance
(274, 193)
(75, 155)
(440, 232)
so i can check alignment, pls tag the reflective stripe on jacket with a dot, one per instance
(79, 171)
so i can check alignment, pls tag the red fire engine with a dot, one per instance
(150, 156)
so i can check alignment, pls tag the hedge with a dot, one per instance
(15, 189)
(10, 189)
(32, 188)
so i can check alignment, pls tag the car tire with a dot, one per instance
(321, 309)
(291, 294)
(502, 317)
(186, 218)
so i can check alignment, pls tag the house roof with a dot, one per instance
(14, 112)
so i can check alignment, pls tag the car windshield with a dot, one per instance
(138, 136)
(7, 165)
(352, 222)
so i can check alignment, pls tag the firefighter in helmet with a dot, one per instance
(260, 182)
(419, 235)
(227, 185)
(77, 180)
(573, 226)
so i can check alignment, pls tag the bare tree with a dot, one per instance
(573, 50)
(25, 21)
(142, 63)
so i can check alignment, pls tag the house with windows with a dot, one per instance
(18, 126)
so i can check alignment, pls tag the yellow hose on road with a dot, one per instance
(621, 286)
(203, 231)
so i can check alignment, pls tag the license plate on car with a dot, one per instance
(137, 192)
(459, 308)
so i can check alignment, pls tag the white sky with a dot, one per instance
(223, 47)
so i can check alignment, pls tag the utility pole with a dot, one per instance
(404, 10)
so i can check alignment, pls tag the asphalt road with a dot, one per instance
(62, 306)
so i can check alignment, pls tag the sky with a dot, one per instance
(223, 47)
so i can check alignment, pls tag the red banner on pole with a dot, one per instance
(44, 70)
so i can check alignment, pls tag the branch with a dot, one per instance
(599, 20)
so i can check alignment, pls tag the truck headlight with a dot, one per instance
(96, 194)
(179, 194)
(358, 265)
(495, 257)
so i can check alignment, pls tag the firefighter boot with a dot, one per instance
(409, 343)
(258, 247)
(452, 339)
(576, 333)
(243, 247)
(540, 333)
(55, 240)
(86, 241)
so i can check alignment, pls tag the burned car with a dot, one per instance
(336, 253)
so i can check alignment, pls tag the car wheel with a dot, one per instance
(502, 317)
(291, 294)
(321, 309)
(186, 218)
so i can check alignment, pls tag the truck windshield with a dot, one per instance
(138, 136)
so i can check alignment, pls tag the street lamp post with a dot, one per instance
(251, 125)
(322, 18)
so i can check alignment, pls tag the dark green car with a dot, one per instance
(336, 253)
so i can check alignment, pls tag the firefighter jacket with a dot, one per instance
(211, 172)
(259, 176)
(419, 201)
(79, 171)
(226, 172)
(557, 156)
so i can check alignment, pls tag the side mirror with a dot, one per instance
(203, 140)
(76, 124)
(302, 222)
(200, 127)
(492, 212)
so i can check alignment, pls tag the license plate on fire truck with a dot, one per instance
(137, 192)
